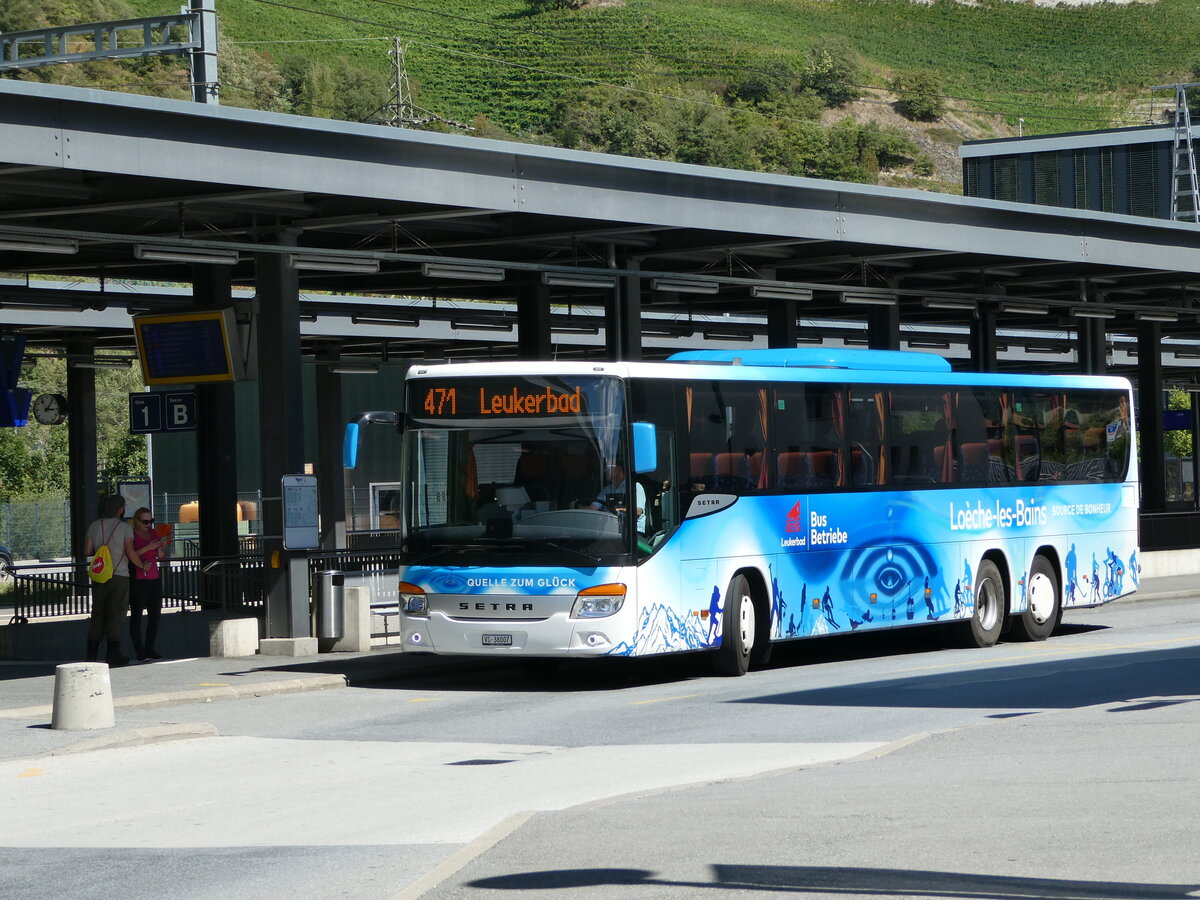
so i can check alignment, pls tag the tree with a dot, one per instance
(919, 95)
(768, 79)
(1178, 443)
(832, 72)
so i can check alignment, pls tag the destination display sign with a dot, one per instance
(495, 399)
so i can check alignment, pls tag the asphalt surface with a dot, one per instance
(27, 687)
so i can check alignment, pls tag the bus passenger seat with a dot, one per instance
(822, 468)
(973, 463)
(701, 468)
(731, 470)
(791, 469)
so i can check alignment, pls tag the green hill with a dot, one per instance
(508, 68)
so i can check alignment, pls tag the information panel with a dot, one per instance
(188, 348)
(300, 519)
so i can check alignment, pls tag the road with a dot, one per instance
(870, 766)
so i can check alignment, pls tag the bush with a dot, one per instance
(919, 95)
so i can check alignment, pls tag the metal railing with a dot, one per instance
(233, 585)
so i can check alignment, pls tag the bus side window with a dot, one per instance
(868, 461)
(809, 428)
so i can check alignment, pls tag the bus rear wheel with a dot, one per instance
(737, 630)
(987, 620)
(1044, 602)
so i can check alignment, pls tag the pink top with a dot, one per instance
(150, 556)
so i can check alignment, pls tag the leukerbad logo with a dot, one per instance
(794, 524)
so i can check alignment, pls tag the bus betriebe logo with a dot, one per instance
(795, 519)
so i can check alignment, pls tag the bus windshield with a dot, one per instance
(517, 468)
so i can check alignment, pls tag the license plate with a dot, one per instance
(497, 640)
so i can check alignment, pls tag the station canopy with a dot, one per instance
(414, 239)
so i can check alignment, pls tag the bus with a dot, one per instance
(725, 501)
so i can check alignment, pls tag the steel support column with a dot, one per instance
(81, 447)
(216, 434)
(281, 437)
(534, 340)
(1150, 417)
(883, 327)
(331, 476)
(781, 324)
(983, 339)
(623, 313)
(1091, 346)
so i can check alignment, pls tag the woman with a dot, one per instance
(145, 589)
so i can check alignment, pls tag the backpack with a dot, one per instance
(100, 569)
(100, 566)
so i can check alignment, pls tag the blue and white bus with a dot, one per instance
(724, 502)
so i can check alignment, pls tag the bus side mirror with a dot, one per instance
(352, 438)
(350, 446)
(645, 448)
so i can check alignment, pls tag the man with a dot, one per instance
(110, 599)
(616, 486)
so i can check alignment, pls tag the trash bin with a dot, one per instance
(331, 605)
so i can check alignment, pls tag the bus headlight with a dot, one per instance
(599, 601)
(413, 601)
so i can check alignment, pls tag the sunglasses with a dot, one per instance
(146, 521)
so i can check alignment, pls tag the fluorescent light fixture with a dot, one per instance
(333, 264)
(352, 368)
(464, 273)
(684, 286)
(728, 336)
(869, 300)
(583, 280)
(185, 255)
(855, 342)
(480, 325)
(576, 329)
(404, 322)
(936, 303)
(780, 292)
(664, 332)
(1156, 317)
(930, 345)
(1043, 348)
(102, 362)
(1089, 312)
(1025, 309)
(39, 245)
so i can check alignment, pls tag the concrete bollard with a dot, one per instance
(82, 697)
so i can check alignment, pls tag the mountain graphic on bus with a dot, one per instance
(661, 629)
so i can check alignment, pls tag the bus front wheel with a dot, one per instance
(987, 620)
(1045, 602)
(737, 630)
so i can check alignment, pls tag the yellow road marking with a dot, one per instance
(663, 699)
(31, 773)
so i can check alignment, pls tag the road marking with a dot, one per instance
(31, 773)
(663, 699)
(424, 699)
(460, 858)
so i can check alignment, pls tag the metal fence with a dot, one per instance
(234, 585)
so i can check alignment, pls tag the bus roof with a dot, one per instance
(820, 358)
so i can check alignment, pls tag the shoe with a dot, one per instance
(152, 654)
(143, 658)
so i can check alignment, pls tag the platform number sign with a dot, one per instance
(158, 412)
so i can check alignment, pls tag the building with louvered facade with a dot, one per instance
(1123, 170)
